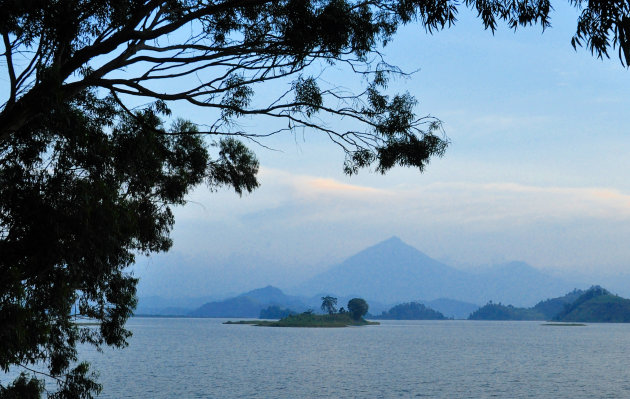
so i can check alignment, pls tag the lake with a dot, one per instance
(202, 358)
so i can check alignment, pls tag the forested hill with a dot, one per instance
(597, 305)
(551, 307)
(543, 310)
(410, 311)
(498, 311)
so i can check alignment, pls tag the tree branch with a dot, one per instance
(12, 79)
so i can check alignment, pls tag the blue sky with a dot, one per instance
(537, 171)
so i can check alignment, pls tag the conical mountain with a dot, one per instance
(389, 271)
(393, 271)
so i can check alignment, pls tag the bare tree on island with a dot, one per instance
(87, 179)
(329, 304)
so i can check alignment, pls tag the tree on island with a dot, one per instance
(87, 178)
(329, 304)
(357, 307)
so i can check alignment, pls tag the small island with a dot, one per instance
(596, 305)
(411, 311)
(357, 308)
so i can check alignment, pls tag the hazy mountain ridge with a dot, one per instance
(160, 306)
(250, 304)
(388, 273)
(593, 305)
(369, 274)
(393, 271)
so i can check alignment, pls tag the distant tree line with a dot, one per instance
(411, 311)
(593, 305)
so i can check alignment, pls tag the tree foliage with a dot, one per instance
(88, 177)
(218, 55)
(357, 307)
(79, 198)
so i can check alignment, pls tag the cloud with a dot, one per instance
(318, 185)
(298, 219)
(517, 203)
(301, 198)
(455, 202)
(308, 186)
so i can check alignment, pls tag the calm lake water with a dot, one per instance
(202, 358)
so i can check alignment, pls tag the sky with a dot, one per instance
(537, 171)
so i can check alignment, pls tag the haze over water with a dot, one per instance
(202, 358)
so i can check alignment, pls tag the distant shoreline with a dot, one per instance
(307, 320)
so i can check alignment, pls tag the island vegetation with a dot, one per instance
(353, 316)
(411, 311)
(498, 311)
(596, 305)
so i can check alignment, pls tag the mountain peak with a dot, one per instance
(393, 270)
(393, 242)
(393, 239)
(393, 246)
(268, 290)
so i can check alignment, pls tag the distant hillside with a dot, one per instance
(249, 304)
(275, 312)
(232, 307)
(550, 308)
(159, 306)
(517, 283)
(497, 311)
(392, 271)
(411, 311)
(597, 305)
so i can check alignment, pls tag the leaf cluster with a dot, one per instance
(83, 191)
